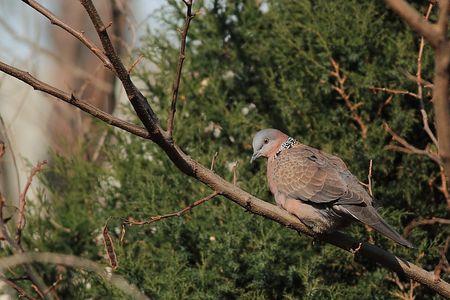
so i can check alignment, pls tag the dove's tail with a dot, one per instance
(369, 215)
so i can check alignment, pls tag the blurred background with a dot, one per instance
(337, 75)
(31, 43)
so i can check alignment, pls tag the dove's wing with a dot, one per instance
(308, 174)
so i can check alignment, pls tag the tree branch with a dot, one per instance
(407, 230)
(408, 148)
(139, 102)
(75, 262)
(436, 35)
(415, 20)
(340, 89)
(131, 221)
(77, 34)
(72, 99)
(441, 100)
(23, 201)
(394, 92)
(182, 56)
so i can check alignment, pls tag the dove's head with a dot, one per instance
(266, 142)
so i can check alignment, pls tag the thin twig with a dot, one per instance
(181, 57)
(134, 64)
(54, 285)
(415, 20)
(77, 34)
(425, 122)
(415, 223)
(340, 89)
(20, 291)
(38, 283)
(131, 221)
(443, 264)
(385, 103)
(407, 147)
(235, 172)
(369, 177)
(23, 201)
(213, 161)
(394, 92)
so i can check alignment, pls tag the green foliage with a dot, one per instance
(251, 65)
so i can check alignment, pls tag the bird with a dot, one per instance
(317, 187)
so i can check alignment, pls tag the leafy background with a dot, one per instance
(250, 65)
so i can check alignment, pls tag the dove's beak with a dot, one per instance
(255, 156)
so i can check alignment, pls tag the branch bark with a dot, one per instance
(77, 34)
(181, 57)
(75, 262)
(436, 35)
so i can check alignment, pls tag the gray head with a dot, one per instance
(266, 142)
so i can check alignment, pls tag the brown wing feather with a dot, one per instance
(308, 174)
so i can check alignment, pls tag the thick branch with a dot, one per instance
(436, 35)
(139, 102)
(340, 89)
(182, 56)
(415, 20)
(394, 92)
(441, 103)
(71, 261)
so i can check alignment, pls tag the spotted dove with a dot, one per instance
(316, 187)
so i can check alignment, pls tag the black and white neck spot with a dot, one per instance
(286, 145)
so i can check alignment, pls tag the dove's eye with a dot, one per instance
(266, 141)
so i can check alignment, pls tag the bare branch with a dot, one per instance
(436, 35)
(425, 122)
(415, 20)
(109, 247)
(154, 219)
(75, 262)
(139, 102)
(72, 99)
(23, 200)
(443, 262)
(415, 223)
(20, 291)
(340, 89)
(407, 147)
(419, 56)
(134, 64)
(77, 34)
(394, 92)
(181, 57)
(38, 283)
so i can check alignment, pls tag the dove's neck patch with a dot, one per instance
(286, 145)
